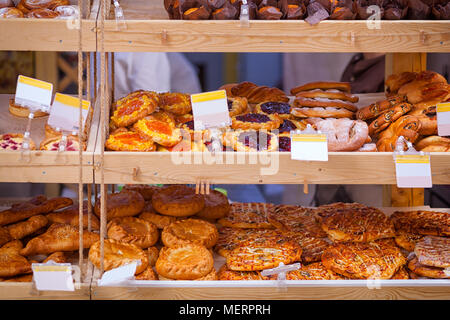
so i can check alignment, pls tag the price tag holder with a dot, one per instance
(413, 170)
(210, 110)
(309, 147)
(64, 113)
(53, 276)
(119, 274)
(443, 118)
(33, 94)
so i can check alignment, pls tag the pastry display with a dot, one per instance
(126, 203)
(71, 216)
(13, 142)
(133, 230)
(190, 231)
(248, 215)
(117, 254)
(22, 229)
(216, 206)
(177, 201)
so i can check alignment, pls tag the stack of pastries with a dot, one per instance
(39, 230)
(39, 9)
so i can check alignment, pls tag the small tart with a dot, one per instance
(248, 215)
(117, 254)
(426, 271)
(283, 109)
(237, 105)
(227, 274)
(23, 112)
(153, 254)
(209, 277)
(177, 103)
(190, 231)
(160, 128)
(321, 112)
(134, 107)
(328, 94)
(178, 201)
(129, 141)
(187, 262)
(140, 232)
(256, 121)
(13, 142)
(250, 140)
(52, 144)
(313, 271)
(147, 274)
(126, 203)
(216, 206)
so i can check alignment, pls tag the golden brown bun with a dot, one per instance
(11, 262)
(126, 203)
(190, 231)
(22, 229)
(178, 201)
(10, 12)
(133, 230)
(433, 144)
(323, 85)
(216, 206)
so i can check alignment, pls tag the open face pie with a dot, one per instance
(313, 271)
(13, 141)
(133, 230)
(178, 201)
(312, 248)
(52, 144)
(186, 262)
(129, 141)
(159, 127)
(282, 109)
(190, 231)
(216, 206)
(117, 254)
(433, 251)
(250, 140)
(12, 262)
(407, 240)
(256, 121)
(176, 103)
(134, 107)
(248, 215)
(126, 203)
(24, 228)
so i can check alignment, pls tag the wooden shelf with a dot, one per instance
(42, 166)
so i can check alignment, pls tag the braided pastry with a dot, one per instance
(427, 85)
(428, 125)
(384, 120)
(377, 108)
(258, 94)
(406, 126)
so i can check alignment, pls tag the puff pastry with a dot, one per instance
(322, 85)
(282, 109)
(13, 141)
(251, 140)
(129, 141)
(59, 237)
(134, 107)
(401, 274)
(12, 262)
(216, 206)
(313, 271)
(186, 262)
(237, 105)
(71, 216)
(15, 109)
(190, 231)
(28, 5)
(256, 121)
(375, 109)
(178, 201)
(176, 103)
(289, 125)
(433, 144)
(137, 231)
(388, 117)
(126, 203)
(160, 128)
(160, 221)
(300, 102)
(248, 215)
(407, 240)
(22, 229)
(426, 271)
(116, 254)
(406, 126)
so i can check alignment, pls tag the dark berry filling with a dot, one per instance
(284, 144)
(276, 107)
(287, 126)
(253, 117)
(230, 104)
(255, 140)
(190, 124)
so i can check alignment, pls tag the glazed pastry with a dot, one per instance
(10, 12)
(153, 254)
(422, 222)
(379, 107)
(52, 144)
(428, 125)
(58, 257)
(322, 85)
(42, 14)
(25, 228)
(134, 107)
(433, 251)
(344, 134)
(22, 278)
(397, 80)
(20, 111)
(250, 140)
(388, 117)
(137, 231)
(248, 215)
(145, 190)
(258, 94)
(406, 126)
(187, 262)
(190, 231)
(160, 221)
(117, 254)
(176, 103)
(177, 201)
(427, 271)
(147, 274)
(312, 248)
(13, 142)
(216, 206)
(59, 237)
(301, 102)
(433, 144)
(289, 125)
(407, 240)
(67, 12)
(427, 85)
(401, 274)
(12, 262)
(256, 121)
(126, 203)
(28, 5)
(237, 105)
(227, 274)
(282, 109)
(6, 3)
(333, 94)
(321, 112)
(129, 141)
(52, 133)
(71, 216)
(4, 236)
(313, 271)
(159, 127)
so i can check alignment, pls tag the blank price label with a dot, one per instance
(65, 112)
(33, 94)
(310, 147)
(443, 118)
(53, 277)
(210, 110)
(413, 171)
(118, 274)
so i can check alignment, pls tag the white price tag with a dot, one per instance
(310, 147)
(119, 274)
(64, 113)
(413, 171)
(53, 277)
(443, 118)
(33, 94)
(210, 110)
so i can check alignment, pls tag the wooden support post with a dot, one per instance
(395, 63)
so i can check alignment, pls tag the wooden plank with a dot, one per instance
(46, 67)
(290, 36)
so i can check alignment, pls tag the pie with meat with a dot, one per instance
(133, 230)
(126, 203)
(178, 201)
(216, 206)
(227, 274)
(134, 107)
(407, 240)
(248, 215)
(12, 262)
(190, 231)
(422, 222)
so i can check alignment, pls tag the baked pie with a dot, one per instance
(24, 228)
(59, 237)
(153, 254)
(58, 257)
(134, 107)
(422, 222)
(133, 230)
(433, 251)
(129, 141)
(250, 140)
(256, 121)
(126, 203)
(227, 274)
(379, 259)
(159, 127)
(20, 111)
(71, 216)
(209, 277)
(248, 215)
(190, 231)
(289, 125)
(176, 103)
(12, 262)
(313, 271)
(401, 274)
(52, 144)
(14, 141)
(427, 271)
(147, 274)
(282, 109)
(186, 262)
(4, 236)
(407, 240)
(116, 254)
(178, 201)
(145, 190)
(159, 220)
(216, 206)
(237, 106)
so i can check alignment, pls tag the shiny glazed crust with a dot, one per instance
(58, 257)
(227, 274)
(190, 231)
(388, 117)
(127, 203)
(25, 228)
(422, 222)
(328, 94)
(323, 85)
(133, 230)
(134, 107)
(147, 274)
(160, 129)
(239, 106)
(231, 139)
(321, 112)
(258, 109)
(401, 274)
(407, 240)
(178, 201)
(117, 254)
(145, 190)
(129, 141)
(160, 221)
(313, 271)
(11, 262)
(41, 4)
(406, 126)
(258, 94)
(248, 215)
(52, 144)
(433, 144)
(433, 251)
(18, 138)
(187, 262)
(216, 206)
(42, 14)
(312, 248)
(71, 216)
(300, 102)
(426, 271)
(273, 123)
(177, 103)
(20, 111)
(4, 236)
